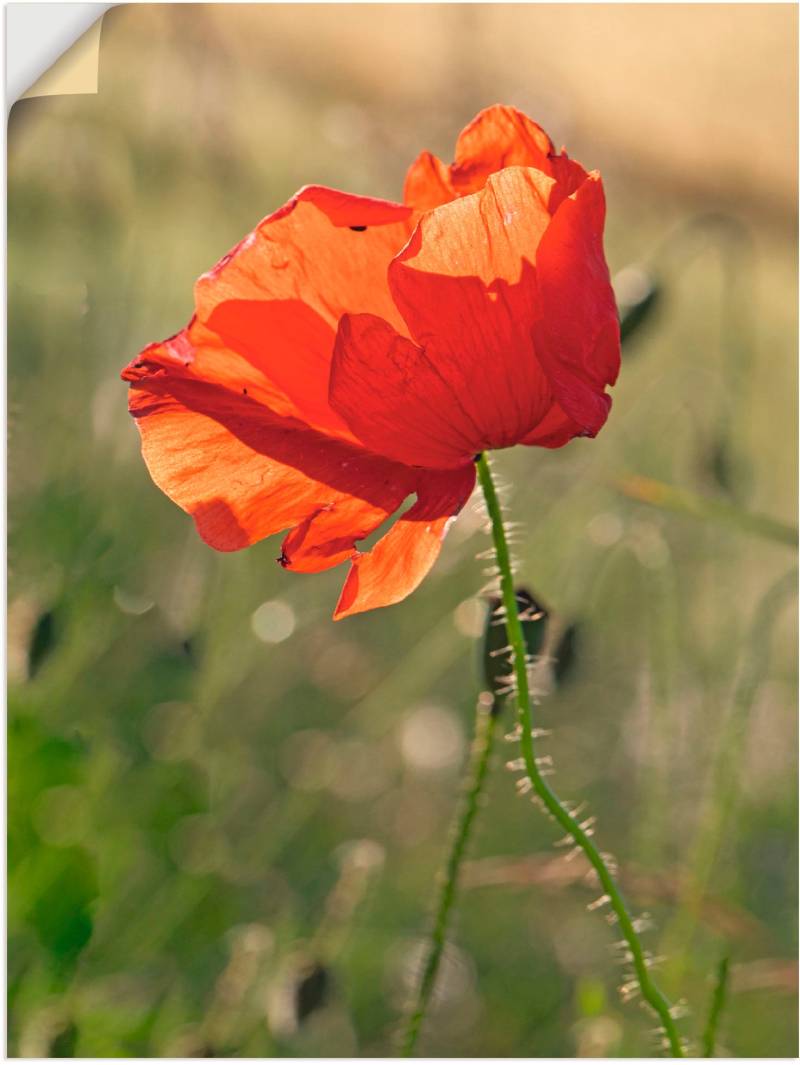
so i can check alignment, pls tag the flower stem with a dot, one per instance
(485, 727)
(649, 990)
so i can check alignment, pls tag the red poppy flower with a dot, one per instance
(351, 352)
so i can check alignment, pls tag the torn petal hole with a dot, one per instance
(369, 541)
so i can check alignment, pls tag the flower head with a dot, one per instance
(352, 352)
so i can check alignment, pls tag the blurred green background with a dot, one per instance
(226, 812)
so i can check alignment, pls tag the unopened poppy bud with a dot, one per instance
(495, 647)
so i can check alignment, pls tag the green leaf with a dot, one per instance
(64, 886)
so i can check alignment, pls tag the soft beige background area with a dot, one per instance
(704, 95)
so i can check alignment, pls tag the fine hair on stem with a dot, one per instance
(578, 832)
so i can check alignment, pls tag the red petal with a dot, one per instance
(277, 297)
(398, 563)
(199, 354)
(328, 535)
(577, 337)
(465, 285)
(244, 473)
(554, 430)
(292, 344)
(394, 400)
(325, 248)
(344, 208)
(427, 183)
(496, 138)
(569, 176)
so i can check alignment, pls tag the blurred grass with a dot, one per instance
(657, 494)
(188, 765)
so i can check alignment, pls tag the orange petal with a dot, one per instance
(427, 183)
(328, 535)
(291, 344)
(466, 286)
(276, 298)
(244, 473)
(199, 354)
(496, 138)
(577, 335)
(394, 399)
(401, 559)
(325, 248)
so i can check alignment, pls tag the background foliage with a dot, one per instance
(225, 811)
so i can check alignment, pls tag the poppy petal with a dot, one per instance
(244, 473)
(577, 335)
(400, 560)
(276, 298)
(569, 176)
(394, 399)
(466, 286)
(554, 430)
(324, 247)
(496, 138)
(328, 536)
(427, 183)
(199, 354)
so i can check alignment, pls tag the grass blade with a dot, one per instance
(680, 501)
(718, 999)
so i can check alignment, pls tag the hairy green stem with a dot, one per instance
(485, 727)
(717, 1002)
(649, 989)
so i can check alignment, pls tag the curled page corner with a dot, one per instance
(52, 49)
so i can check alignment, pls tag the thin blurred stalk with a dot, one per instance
(666, 497)
(733, 465)
(593, 582)
(663, 651)
(718, 998)
(732, 242)
(483, 745)
(726, 773)
(577, 831)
